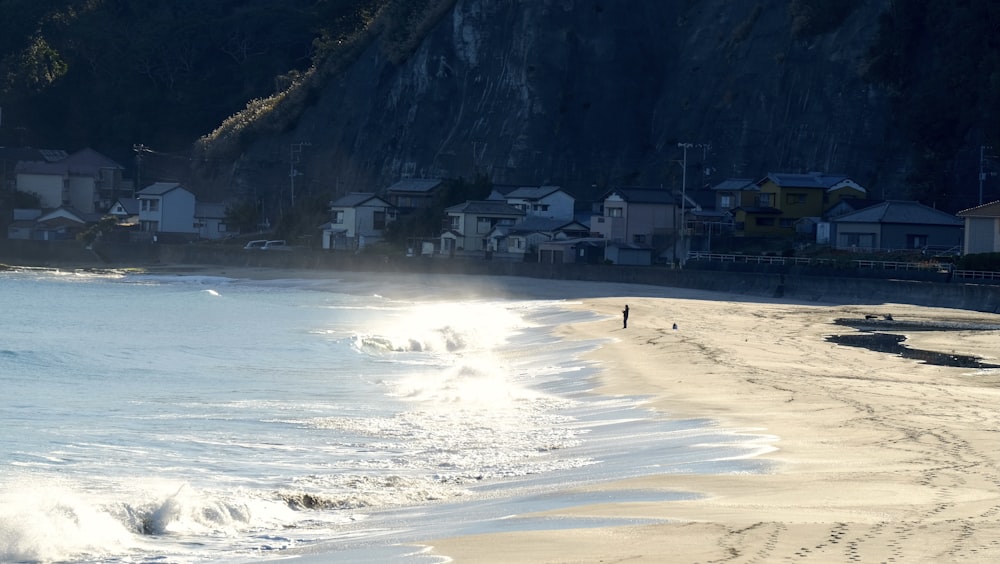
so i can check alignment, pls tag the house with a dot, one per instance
(167, 208)
(581, 250)
(356, 219)
(10, 156)
(643, 217)
(86, 180)
(61, 224)
(23, 224)
(470, 223)
(896, 225)
(733, 193)
(410, 194)
(522, 239)
(544, 201)
(982, 228)
(783, 199)
(125, 211)
(210, 220)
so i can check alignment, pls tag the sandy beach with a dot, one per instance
(878, 458)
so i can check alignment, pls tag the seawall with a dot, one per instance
(772, 283)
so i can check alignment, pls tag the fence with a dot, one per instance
(926, 266)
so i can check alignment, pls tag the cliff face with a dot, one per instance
(587, 93)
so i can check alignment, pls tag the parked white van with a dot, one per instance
(255, 245)
(278, 245)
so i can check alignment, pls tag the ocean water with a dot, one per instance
(208, 419)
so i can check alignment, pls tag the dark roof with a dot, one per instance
(736, 185)
(495, 207)
(535, 224)
(645, 195)
(415, 185)
(159, 188)
(895, 211)
(83, 162)
(807, 180)
(532, 192)
(991, 209)
(859, 203)
(353, 200)
(131, 205)
(15, 154)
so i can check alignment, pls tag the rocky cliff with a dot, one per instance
(591, 93)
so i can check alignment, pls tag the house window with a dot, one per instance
(726, 201)
(765, 200)
(484, 224)
(338, 217)
(859, 240)
(505, 221)
(639, 239)
(614, 212)
(541, 207)
(455, 222)
(916, 241)
(378, 220)
(794, 199)
(764, 222)
(787, 222)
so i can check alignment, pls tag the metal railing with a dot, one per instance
(960, 275)
(976, 275)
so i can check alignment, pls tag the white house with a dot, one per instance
(356, 219)
(85, 180)
(166, 207)
(982, 228)
(543, 201)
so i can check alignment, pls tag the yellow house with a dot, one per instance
(784, 199)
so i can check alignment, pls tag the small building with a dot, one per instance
(982, 228)
(356, 219)
(410, 194)
(470, 224)
(210, 220)
(86, 180)
(783, 198)
(167, 207)
(23, 224)
(517, 241)
(550, 202)
(897, 225)
(125, 211)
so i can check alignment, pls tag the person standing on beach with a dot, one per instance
(625, 317)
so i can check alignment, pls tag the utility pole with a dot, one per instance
(685, 146)
(982, 169)
(139, 149)
(294, 154)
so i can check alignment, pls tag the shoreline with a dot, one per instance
(878, 458)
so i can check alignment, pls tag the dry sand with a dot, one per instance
(879, 458)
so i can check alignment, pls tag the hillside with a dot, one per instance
(591, 93)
